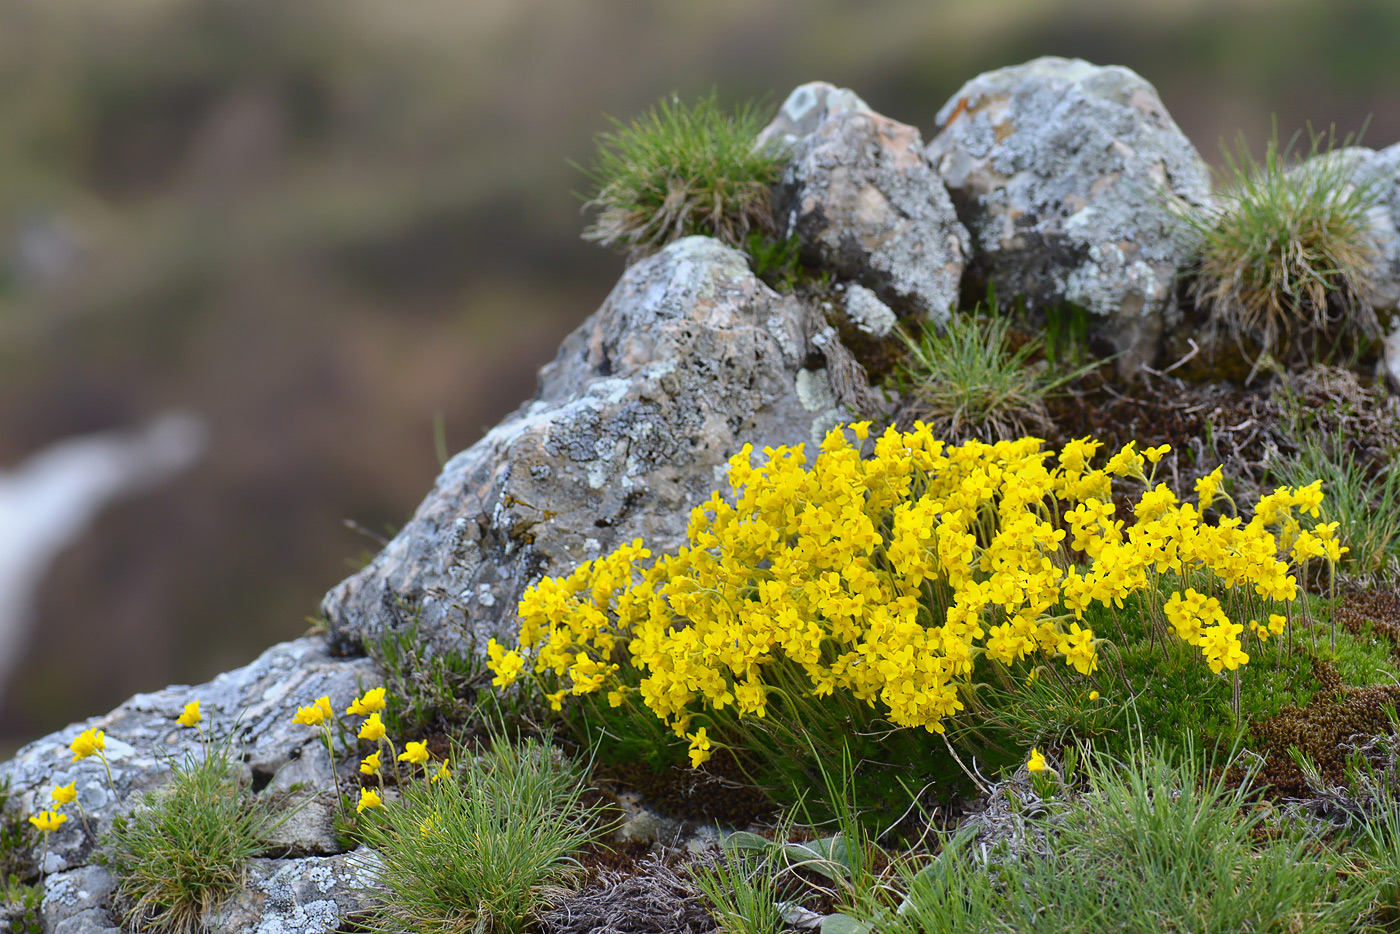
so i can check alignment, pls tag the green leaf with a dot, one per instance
(742, 840)
(839, 923)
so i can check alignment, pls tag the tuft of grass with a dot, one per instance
(741, 892)
(1156, 844)
(186, 848)
(1286, 259)
(473, 853)
(680, 170)
(1365, 502)
(17, 839)
(775, 260)
(20, 902)
(967, 382)
(22, 906)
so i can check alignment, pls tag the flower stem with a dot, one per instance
(110, 784)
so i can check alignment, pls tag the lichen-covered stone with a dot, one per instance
(689, 358)
(316, 895)
(864, 203)
(307, 827)
(261, 698)
(1065, 173)
(870, 315)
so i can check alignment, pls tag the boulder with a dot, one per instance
(864, 202)
(259, 700)
(1068, 176)
(689, 358)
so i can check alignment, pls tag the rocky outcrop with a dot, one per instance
(688, 359)
(1065, 173)
(862, 199)
(258, 702)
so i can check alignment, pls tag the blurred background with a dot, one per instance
(262, 262)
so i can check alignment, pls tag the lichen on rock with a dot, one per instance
(1065, 174)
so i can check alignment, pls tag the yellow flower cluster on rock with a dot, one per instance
(887, 567)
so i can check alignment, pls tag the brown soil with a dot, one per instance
(718, 792)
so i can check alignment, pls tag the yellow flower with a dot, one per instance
(48, 820)
(699, 748)
(1207, 487)
(368, 799)
(88, 742)
(1153, 455)
(373, 729)
(417, 753)
(191, 714)
(65, 794)
(1093, 695)
(441, 773)
(1036, 763)
(372, 702)
(506, 665)
(370, 764)
(316, 714)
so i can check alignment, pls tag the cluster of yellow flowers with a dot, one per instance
(885, 572)
(93, 742)
(369, 706)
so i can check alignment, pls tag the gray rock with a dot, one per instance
(92, 921)
(690, 357)
(75, 892)
(870, 315)
(261, 698)
(316, 895)
(307, 826)
(1066, 173)
(864, 202)
(1382, 171)
(806, 108)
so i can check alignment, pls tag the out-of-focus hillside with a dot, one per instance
(322, 224)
